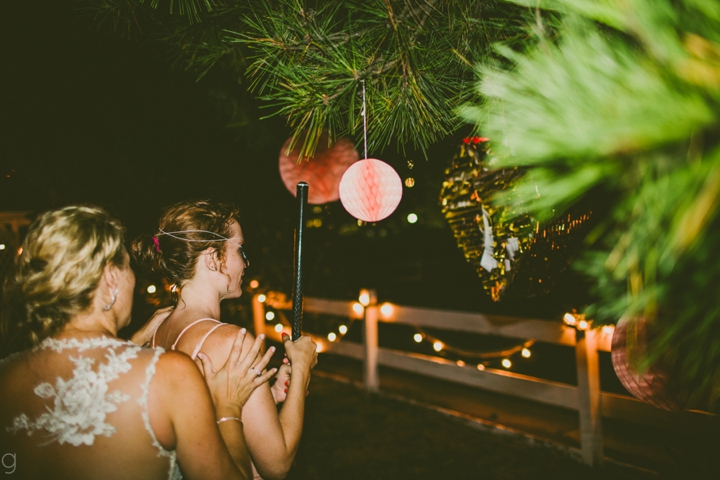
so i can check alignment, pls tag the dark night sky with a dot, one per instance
(88, 117)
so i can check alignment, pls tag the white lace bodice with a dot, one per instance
(79, 406)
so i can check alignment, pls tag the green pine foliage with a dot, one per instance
(415, 57)
(622, 107)
(308, 59)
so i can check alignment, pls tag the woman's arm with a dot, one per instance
(230, 391)
(184, 418)
(273, 439)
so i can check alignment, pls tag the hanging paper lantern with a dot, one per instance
(629, 343)
(322, 172)
(503, 246)
(370, 190)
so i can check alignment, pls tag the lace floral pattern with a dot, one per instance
(59, 345)
(81, 403)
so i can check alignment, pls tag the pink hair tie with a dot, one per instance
(157, 244)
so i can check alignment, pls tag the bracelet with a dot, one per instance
(225, 419)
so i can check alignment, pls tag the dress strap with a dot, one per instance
(174, 470)
(186, 329)
(199, 345)
(143, 400)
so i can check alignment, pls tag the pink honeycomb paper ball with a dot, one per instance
(370, 190)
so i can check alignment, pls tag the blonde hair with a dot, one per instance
(55, 278)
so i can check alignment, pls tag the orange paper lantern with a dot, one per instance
(370, 190)
(322, 172)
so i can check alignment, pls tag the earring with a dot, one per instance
(174, 292)
(112, 302)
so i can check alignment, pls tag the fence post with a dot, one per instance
(370, 340)
(258, 310)
(589, 407)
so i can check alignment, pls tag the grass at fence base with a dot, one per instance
(353, 435)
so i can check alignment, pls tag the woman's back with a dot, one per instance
(84, 404)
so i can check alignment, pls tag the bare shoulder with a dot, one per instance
(8, 368)
(175, 370)
(171, 362)
(225, 336)
(14, 367)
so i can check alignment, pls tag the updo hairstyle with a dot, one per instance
(55, 277)
(174, 256)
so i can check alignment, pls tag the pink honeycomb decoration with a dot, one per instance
(370, 190)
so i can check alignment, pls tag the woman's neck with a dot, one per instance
(90, 325)
(199, 297)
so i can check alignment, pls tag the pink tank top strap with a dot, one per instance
(199, 345)
(186, 329)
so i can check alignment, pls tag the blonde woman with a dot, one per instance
(199, 247)
(76, 402)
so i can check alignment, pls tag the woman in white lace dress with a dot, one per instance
(77, 402)
(199, 247)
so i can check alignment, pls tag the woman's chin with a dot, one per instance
(234, 294)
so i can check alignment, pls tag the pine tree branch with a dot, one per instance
(612, 105)
(390, 48)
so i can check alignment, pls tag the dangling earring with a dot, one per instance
(174, 293)
(112, 302)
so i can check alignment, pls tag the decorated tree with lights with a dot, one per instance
(623, 108)
(610, 103)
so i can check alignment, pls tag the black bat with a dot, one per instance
(302, 195)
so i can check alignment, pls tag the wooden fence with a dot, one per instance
(591, 403)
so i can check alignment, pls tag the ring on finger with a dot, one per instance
(258, 372)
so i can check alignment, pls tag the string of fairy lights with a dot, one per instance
(505, 357)
(463, 357)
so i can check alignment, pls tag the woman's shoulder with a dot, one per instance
(218, 341)
(181, 323)
(175, 373)
(228, 332)
(13, 357)
(11, 364)
(212, 328)
(171, 362)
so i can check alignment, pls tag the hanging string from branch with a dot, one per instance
(364, 116)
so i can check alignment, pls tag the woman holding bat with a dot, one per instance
(199, 247)
(76, 401)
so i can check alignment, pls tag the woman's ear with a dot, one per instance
(211, 259)
(109, 285)
(111, 277)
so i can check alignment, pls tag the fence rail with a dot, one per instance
(591, 403)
